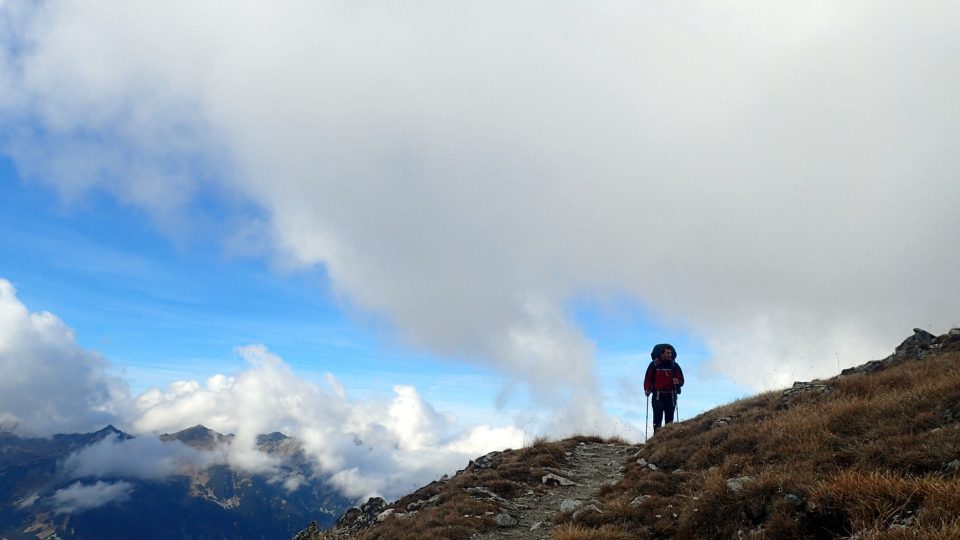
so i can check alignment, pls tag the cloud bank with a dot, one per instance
(374, 447)
(80, 497)
(145, 458)
(778, 178)
(49, 383)
(380, 447)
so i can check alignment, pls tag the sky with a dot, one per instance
(449, 227)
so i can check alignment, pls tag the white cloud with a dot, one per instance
(379, 446)
(27, 501)
(79, 497)
(374, 447)
(49, 383)
(142, 457)
(778, 178)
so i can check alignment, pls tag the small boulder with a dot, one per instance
(551, 479)
(801, 387)
(950, 468)
(736, 485)
(425, 503)
(504, 519)
(484, 462)
(579, 512)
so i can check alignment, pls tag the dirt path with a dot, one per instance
(591, 466)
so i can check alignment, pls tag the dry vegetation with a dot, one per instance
(866, 460)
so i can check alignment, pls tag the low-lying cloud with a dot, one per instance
(376, 447)
(780, 179)
(79, 497)
(363, 447)
(146, 458)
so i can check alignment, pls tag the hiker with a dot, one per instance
(664, 379)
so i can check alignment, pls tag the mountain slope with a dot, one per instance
(43, 496)
(871, 453)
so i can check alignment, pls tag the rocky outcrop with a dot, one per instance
(356, 519)
(915, 347)
(805, 388)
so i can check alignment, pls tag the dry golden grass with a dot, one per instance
(458, 517)
(864, 458)
(569, 531)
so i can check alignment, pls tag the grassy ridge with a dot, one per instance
(870, 457)
(866, 455)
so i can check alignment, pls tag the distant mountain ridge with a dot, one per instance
(41, 497)
(199, 437)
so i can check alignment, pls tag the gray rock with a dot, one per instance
(792, 499)
(485, 461)
(951, 340)
(504, 519)
(800, 387)
(950, 468)
(580, 512)
(569, 505)
(311, 532)
(869, 367)
(638, 500)
(736, 485)
(425, 503)
(642, 462)
(385, 514)
(355, 519)
(916, 345)
(557, 480)
(483, 493)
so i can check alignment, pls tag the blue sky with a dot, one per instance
(447, 227)
(163, 309)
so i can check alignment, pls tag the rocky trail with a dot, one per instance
(573, 488)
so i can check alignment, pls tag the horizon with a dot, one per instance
(447, 229)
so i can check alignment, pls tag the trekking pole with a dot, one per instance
(676, 408)
(646, 421)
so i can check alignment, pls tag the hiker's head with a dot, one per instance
(664, 352)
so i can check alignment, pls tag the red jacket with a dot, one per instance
(660, 376)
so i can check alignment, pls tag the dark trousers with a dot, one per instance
(663, 405)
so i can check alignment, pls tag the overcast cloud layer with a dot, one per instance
(780, 178)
